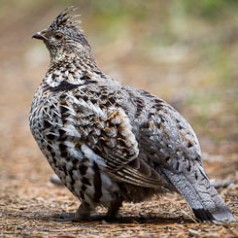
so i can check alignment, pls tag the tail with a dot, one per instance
(202, 197)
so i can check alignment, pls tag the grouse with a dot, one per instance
(110, 142)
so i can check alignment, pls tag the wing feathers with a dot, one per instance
(119, 148)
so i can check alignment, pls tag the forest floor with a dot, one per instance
(31, 206)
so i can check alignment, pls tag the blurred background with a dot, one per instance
(183, 51)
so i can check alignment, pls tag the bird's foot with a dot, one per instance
(112, 213)
(83, 212)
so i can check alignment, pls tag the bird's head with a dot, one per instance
(64, 38)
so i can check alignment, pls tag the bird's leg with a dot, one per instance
(83, 212)
(114, 208)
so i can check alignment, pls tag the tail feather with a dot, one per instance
(202, 197)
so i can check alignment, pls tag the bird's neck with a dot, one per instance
(70, 69)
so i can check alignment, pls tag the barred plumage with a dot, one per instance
(109, 142)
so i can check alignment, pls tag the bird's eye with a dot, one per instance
(58, 36)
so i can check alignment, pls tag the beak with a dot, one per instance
(40, 35)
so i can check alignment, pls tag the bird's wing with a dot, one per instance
(109, 134)
(119, 148)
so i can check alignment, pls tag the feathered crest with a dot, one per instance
(65, 19)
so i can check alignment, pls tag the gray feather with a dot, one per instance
(200, 195)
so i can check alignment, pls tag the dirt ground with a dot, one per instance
(31, 206)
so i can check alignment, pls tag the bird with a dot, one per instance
(111, 143)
